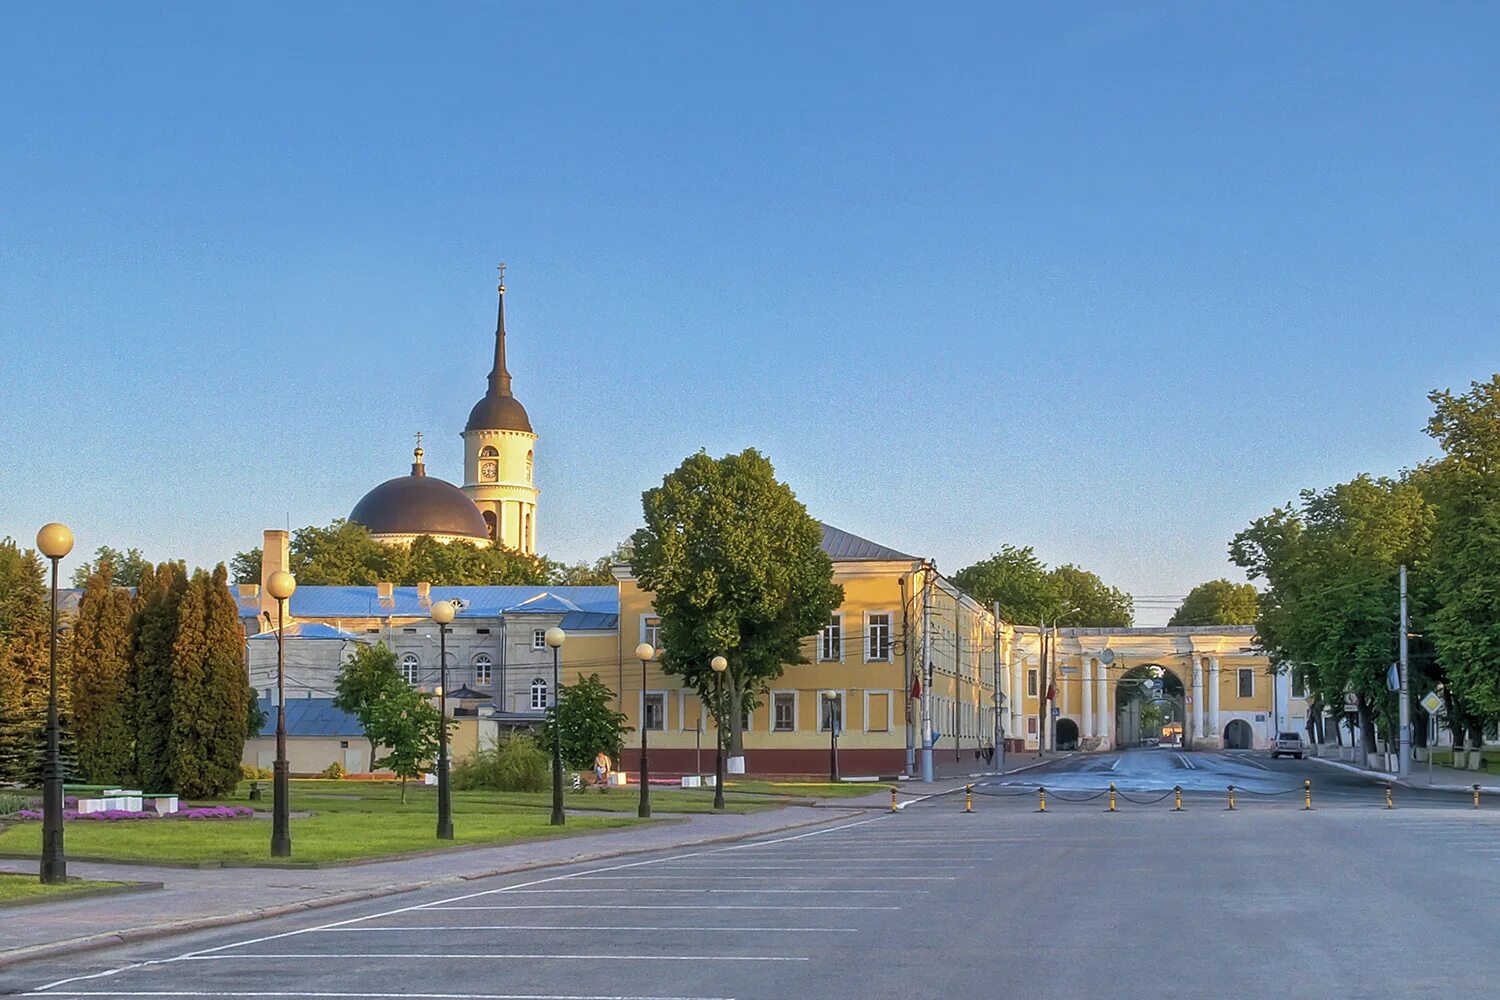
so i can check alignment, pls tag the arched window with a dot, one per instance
(538, 694)
(411, 668)
(488, 451)
(482, 665)
(492, 525)
(528, 466)
(526, 540)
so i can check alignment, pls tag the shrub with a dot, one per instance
(251, 773)
(12, 803)
(334, 771)
(513, 764)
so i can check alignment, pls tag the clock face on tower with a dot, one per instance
(489, 471)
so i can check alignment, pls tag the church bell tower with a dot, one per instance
(500, 455)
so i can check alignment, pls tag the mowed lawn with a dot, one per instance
(16, 887)
(351, 820)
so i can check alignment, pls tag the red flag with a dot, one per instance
(1051, 692)
(916, 688)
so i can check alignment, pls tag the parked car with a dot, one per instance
(1289, 744)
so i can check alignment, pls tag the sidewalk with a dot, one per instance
(1446, 779)
(193, 899)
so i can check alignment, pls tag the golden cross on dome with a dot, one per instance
(419, 440)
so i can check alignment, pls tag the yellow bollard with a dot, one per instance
(1231, 797)
(1177, 794)
(1042, 799)
(893, 799)
(1112, 797)
(1306, 795)
(968, 798)
(1389, 804)
(1476, 796)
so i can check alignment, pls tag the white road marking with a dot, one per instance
(642, 906)
(370, 996)
(589, 956)
(773, 890)
(811, 866)
(615, 928)
(777, 878)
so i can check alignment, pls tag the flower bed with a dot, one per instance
(110, 815)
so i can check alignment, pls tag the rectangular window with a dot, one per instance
(831, 639)
(1299, 686)
(877, 712)
(482, 664)
(656, 710)
(784, 711)
(1031, 682)
(831, 711)
(1247, 682)
(651, 631)
(878, 636)
(538, 638)
(1031, 725)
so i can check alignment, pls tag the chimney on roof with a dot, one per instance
(424, 592)
(249, 591)
(275, 554)
(385, 592)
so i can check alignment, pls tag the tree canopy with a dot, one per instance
(737, 568)
(1029, 592)
(1218, 602)
(126, 568)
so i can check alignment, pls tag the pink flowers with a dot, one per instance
(110, 815)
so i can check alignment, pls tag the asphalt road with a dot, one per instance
(930, 902)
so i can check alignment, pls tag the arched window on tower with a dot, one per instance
(526, 540)
(528, 466)
(489, 464)
(493, 525)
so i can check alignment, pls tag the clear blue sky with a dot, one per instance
(1106, 279)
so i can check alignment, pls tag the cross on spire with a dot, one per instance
(501, 268)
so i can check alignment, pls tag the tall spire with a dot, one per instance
(499, 377)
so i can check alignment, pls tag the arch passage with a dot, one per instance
(1238, 735)
(1066, 734)
(1150, 705)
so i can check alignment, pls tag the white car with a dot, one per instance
(1289, 744)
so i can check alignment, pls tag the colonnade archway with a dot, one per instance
(1150, 703)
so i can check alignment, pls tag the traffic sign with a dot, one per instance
(1432, 703)
(1056, 712)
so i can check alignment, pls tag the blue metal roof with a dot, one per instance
(583, 607)
(310, 717)
(313, 630)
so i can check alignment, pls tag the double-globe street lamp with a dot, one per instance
(554, 638)
(645, 652)
(720, 665)
(281, 586)
(54, 541)
(442, 614)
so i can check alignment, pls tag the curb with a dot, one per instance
(1380, 777)
(94, 942)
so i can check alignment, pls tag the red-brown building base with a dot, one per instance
(803, 763)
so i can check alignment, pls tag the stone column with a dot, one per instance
(1197, 712)
(1088, 696)
(1017, 727)
(1213, 700)
(1104, 719)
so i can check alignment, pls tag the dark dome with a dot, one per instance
(419, 505)
(498, 413)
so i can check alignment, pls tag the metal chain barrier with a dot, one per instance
(1151, 802)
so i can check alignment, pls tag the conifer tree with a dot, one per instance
(100, 681)
(187, 762)
(226, 701)
(151, 638)
(24, 666)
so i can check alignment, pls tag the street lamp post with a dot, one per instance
(54, 541)
(281, 586)
(645, 652)
(554, 638)
(442, 613)
(720, 665)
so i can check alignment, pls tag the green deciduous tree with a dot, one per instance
(1029, 592)
(1464, 569)
(737, 568)
(126, 567)
(101, 679)
(1217, 602)
(368, 675)
(407, 724)
(586, 716)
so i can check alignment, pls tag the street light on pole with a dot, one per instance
(281, 586)
(54, 541)
(554, 638)
(719, 664)
(442, 613)
(645, 652)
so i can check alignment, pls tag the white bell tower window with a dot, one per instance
(489, 464)
(529, 459)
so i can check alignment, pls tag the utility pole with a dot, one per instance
(1041, 693)
(907, 651)
(927, 673)
(1404, 745)
(999, 701)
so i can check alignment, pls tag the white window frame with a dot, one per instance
(867, 638)
(540, 682)
(487, 662)
(843, 709)
(890, 710)
(666, 704)
(651, 633)
(1033, 682)
(538, 638)
(1240, 682)
(835, 620)
(1298, 687)
(411, 668)
(796, 709)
